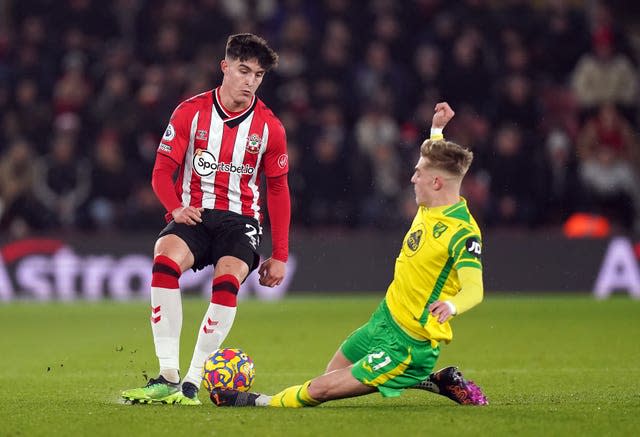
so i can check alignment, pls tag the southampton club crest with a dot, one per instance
(254, 142)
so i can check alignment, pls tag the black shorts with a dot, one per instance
(221, 233)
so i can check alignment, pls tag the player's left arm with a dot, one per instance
(470, 294)
(471, 290)
(273, 270)
(469, 269)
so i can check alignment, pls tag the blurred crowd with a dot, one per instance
(545, 93)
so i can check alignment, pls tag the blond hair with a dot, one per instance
(447, 156)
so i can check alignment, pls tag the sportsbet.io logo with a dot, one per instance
(204, 164)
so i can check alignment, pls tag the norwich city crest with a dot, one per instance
(439, 229)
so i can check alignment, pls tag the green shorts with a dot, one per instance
(385, 357)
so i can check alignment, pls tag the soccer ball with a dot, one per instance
(229, 369)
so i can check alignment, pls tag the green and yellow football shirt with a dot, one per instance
(441, 241)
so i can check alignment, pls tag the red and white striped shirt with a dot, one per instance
(221, 155)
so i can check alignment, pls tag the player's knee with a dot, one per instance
(339, 361)
(230, 265)
(174, 247)
(335, 365)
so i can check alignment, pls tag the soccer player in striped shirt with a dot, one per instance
(438, 275)
(219, 143)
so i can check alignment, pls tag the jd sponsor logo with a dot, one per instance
(473, 247)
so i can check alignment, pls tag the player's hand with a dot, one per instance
(187, 215)
(272, 272)
(442, 115)
(440, 310)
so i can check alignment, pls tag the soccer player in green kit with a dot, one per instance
(438, 274)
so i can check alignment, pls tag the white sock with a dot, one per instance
(215, 326)
(263, 401)
(166, 323)
(171, 375)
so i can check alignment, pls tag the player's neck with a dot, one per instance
(228, 104)
(443, 199)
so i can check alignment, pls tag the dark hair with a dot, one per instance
(447, 156)
(245, 46)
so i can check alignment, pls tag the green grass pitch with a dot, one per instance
(550, 365)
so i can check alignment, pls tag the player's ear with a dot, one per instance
(224, 66)
(437, 182)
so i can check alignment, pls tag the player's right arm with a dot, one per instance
(169, 157)
(441, 116)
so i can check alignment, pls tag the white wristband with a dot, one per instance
(436, 133)
(452, 307)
